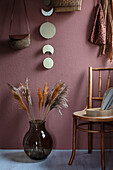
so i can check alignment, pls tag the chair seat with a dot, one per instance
(83, 116)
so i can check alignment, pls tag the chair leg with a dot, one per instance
(89, 138)
(74, 140)
(102, 147)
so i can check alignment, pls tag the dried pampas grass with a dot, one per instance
(55, 93)
(49, 96)
(61, 100)
(40, 96)
(20, 102)
(19, 99)
(23, 91)
(45, 92)
(56, 98)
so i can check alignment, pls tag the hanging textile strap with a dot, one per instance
(107, 48)
(98, 2)
(12, 16)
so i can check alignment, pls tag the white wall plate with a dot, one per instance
(48, 63)
(47, 30)
(47, 13)
(48, 48)
(47, 2)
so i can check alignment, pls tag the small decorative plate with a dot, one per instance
(47, 30)
(47, 13)
(48, 63)
(48, 48)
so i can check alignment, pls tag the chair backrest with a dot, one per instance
(100, 70)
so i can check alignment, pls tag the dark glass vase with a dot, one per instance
(37, 142)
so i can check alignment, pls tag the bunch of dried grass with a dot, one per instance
(56, 98)
(21, 93)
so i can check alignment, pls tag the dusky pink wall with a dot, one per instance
(73, 55)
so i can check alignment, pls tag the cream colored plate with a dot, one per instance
(47, 13)
(48, 63)
(47, 2)
(47, 30)
(48, 48)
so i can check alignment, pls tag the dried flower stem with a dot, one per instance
(41, 113)
(28, 115)
(28, 96)
(48, 109)
(54, 95)
(40, 96)
(21, 103)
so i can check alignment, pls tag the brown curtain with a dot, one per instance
(108, 13)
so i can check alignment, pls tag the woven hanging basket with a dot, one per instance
(67, 5)
(19, 42)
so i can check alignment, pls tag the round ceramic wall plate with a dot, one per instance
(48, 49)
(47, 2)
(48, 63)
(47, 30)
(47, 13)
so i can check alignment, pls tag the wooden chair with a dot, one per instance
(81, 115)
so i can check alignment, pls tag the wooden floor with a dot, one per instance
(57, 160)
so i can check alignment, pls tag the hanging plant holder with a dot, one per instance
(67, 5)
(21, 41)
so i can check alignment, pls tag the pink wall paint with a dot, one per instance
(73, 55)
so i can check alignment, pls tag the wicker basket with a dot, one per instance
(19, 42)
(67, 5)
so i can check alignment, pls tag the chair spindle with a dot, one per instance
(108, 80)
(99, 83)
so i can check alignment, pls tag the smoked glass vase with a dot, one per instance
(37, 142)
